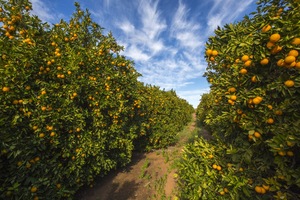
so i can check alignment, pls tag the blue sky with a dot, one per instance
(165, 38)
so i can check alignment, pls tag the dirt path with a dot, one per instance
(149, 176)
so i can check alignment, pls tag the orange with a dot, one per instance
(5, 89)
(41, 135)
(58, 185)
(214, 166)
(290, 153)
(230, 102)
(245, 58)
(52, 134)
(222, 193)
(282, 153)
(212, 59)
(296, 41)
(276, 49)
(225, 190)
(258, 189)
(44, 108)
(233, 97)
(248, 63)
(208, 52)
(270, 121)
(266, 187)
(290, 144)
(254, 79)
(257, 100)
(214, 53)
(294, 53)
(257, 134)
(270, 45)
(264, 61)
(232, 89)
(297, 65)
(289, 59)
(243, 71)
(219, 168)
(289, 83)
(33, 189)
(266, 28)
(270, 107)
(280, 63)
(274, 37)
(278, 112)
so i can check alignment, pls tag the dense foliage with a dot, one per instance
(253, 68)
(71, 106)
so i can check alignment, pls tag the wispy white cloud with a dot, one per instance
(45, 12)
(225, 11)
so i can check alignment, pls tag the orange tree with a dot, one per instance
(66, 99)
(71, 105)
(253, 68)
(162, 115)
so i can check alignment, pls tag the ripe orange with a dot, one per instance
(232, 89)
(219, 168)
(276, 49)
(212, 59)
(264, 61)
(243, 71)
(41, 135)
(225, 190)
(253, 79)
(5, 89)
(208, 52)
(289, 59)
(215, 53)
(258, 189)
(248, 63)
(266, 187)
(222, 193)
(290, 144)
(257, 100)
(266, 28)
(294, 53)
(296, 41)
(280, 63)
(290, 153)
(297, 65)
(52, 134)
(270, 107)
(289, 83)
(257, 134)
(270, 45)
(233, 97)
(270, 121)
(274, 37)
(214, 166)
(245, 58)
(33, 189)
(281, 153)
(44, 108)
(278, 112)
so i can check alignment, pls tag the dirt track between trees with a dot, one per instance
(148, 176)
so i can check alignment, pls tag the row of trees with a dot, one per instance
(71, 105)
(252, 110)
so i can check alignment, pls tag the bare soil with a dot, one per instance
(149, 176)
